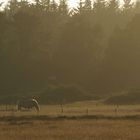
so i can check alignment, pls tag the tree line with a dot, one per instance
(95, 46)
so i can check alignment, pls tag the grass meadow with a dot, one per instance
(77, 121)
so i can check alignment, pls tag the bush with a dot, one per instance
(131, 97)
(63, 94)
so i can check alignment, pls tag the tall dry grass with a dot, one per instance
(71, 130)
(116, 123)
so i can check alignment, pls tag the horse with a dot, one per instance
(28, 104)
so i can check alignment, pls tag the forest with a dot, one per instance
(95, 46)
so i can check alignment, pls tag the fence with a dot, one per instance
(75, 110)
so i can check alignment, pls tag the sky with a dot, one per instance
(71, 3)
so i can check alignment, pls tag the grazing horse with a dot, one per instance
(28, 104)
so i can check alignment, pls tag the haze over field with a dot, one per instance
(70, 73)
(90, 53)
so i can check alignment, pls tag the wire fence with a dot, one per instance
(68, 110)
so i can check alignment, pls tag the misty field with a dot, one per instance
(78, 121)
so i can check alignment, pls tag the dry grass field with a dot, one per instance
(78, 121)
(86, 129)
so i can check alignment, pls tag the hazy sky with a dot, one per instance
(71, 3)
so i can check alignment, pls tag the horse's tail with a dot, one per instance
(36, 105)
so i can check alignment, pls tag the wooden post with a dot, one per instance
(62, 110)
(6, 107)
(116, 111)
(87, 111)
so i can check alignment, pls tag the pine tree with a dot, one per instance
(63, 7)
(87, 5)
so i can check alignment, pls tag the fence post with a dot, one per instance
(116, 111)
(87, 111)
(6, 107)
(62, 110)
